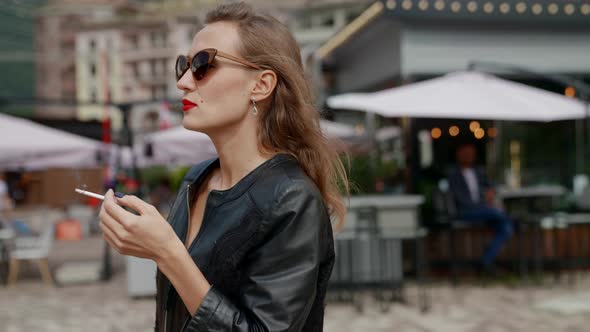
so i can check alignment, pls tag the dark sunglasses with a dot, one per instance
(201, 62)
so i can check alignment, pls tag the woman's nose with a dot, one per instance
(186, 82)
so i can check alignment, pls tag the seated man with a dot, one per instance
(474, 199)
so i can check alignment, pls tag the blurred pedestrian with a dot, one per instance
(474, 197)
(6, 203)
(249, 243)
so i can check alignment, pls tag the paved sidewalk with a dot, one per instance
(105, 307)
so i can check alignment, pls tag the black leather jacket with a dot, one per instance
(265, 246)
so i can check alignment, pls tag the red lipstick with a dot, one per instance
(187, 105)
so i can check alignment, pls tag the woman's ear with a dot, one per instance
(266, 81)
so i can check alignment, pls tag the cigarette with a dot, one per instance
(88, 193)
(95, 195)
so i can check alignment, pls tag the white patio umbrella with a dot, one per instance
(26, 144)
(465, 95)
(180, 146)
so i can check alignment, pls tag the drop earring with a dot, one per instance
(254, 109)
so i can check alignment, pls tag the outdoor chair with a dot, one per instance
(367, 259)
(446, 220)
(576, 219)
(6, 237)
(355, 248)
(33, 249)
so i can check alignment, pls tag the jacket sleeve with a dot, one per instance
(281, 274)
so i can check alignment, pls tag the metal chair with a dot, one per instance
(6, 239)
(367, 259)
(446, 220)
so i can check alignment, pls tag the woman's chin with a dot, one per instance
(191, 124)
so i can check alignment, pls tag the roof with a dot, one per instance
(543, 14)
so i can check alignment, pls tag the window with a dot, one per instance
(164, 67)
(92, 70)
(327, 21)
(135, 70)
(92, 45)
(153, 63)
(133, 41)
(158, 38)
(164, 37)
(158, 92)
(351, 16)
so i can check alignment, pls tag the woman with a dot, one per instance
(248, 245)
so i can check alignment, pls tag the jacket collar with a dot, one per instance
(217, 197)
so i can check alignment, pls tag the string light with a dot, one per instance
(407, 4)
(505, 8)
(479, 133)
(391, 4)
(436, 133)
(423, 4)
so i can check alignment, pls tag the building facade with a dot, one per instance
(55, 29)
(123, 52)
(130, 61)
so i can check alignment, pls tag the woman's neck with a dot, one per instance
(239, 154)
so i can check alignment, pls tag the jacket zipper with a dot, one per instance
(188, 227)
(185, 325)
(188, 210)
(165, 319)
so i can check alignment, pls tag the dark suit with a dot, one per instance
(479, 212)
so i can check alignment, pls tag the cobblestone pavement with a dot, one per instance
(105, 307)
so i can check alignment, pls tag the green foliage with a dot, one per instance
(177, 175)
(151, 176)
(361, 177)
(426, 187)
(386, 170)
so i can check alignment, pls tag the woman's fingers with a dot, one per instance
(134, 203)
(114, 228)
(121, 243)
(117, 213)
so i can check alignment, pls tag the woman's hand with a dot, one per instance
(147, 235)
